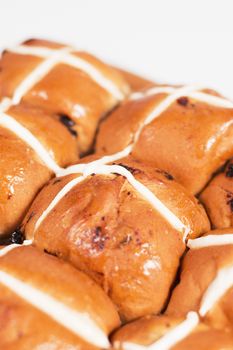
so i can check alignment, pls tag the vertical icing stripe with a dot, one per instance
(93, 168)
(172, 337)
(173, 95)
(38, 74)
(79, 323)
(52, 58)
(95, 74)
(163, 106)
(24, 134)
(216, 290)
(210, 241)
(174, 221)
(57, 199)
(223, 128)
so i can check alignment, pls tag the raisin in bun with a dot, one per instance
(47, 304)
(217, 198)
(167, 332)
(74, 84)
(185, 131)
(123, 224)
(24, 170)
(206, 281)
(50, 104)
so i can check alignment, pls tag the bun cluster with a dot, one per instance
(115, 207)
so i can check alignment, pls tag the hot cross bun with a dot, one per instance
(52, 98)
(47, 304)
(125, 224)
(186, 131)
(200, 311)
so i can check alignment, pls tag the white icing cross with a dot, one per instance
(64, 55)
(173, 95)
(216, 290)
(96, 168)
(52, 58)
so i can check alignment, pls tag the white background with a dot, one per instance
(185, 41)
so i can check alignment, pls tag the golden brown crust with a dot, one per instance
(22, 172)
(50, 131)
(217, 198)
(199, 269)
(146, 330)
(49, 110)
(24, 326)
(63, 90)
(105, 228)
(22, 175)
(189, 138)
(150, 329)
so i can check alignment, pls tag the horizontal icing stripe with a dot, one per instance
(24, 134)
(195, 94)
(211, 99)
(171, 338)
(11, 247)
(63, 56)
(77, 322)
(210, 241)
(79, 168)
(216, 290)
(39, 51)
(152, 91)
(114, 157)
